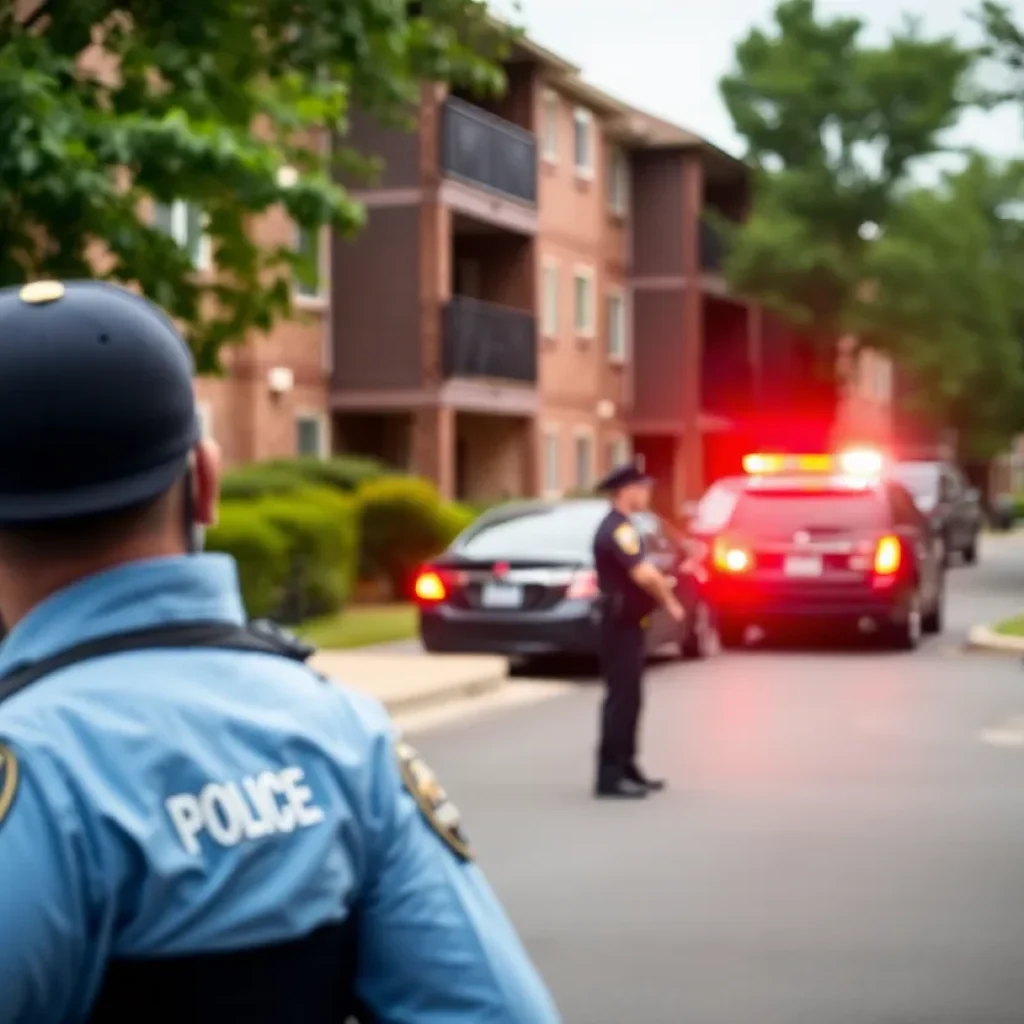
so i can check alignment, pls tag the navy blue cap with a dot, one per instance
(97, 407)
(623, 476)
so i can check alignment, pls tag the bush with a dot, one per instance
(286, 476)
(297, 552)
(259, 549)
(402, 522)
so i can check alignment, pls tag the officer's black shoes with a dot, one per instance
(651, 785)
(620, 789)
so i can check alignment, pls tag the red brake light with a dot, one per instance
(430, 588)
(730, 558)
(583, 585)
(888, 556)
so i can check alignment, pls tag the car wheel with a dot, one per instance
(732, 633)
(699, 633)
(971, 551)
(932, 620)
(904, 634)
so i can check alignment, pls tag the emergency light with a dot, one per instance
(852, 462)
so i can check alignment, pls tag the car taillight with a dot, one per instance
(583, 585)
(888, 556)
(430, 587)
(730, 557)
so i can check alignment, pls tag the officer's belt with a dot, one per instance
(259, 636)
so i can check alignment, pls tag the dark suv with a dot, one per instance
(942, 494)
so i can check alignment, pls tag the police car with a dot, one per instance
(821, 538)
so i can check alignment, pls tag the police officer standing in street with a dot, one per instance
(631, 588)
(194, 826)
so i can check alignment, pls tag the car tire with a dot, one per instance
(971, 551)
(932, 620)
(905, 634)
(732, 633)
(699, 633)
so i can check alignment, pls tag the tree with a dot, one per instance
(108, 104)
(834, 128)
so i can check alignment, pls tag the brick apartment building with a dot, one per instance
(537, 292)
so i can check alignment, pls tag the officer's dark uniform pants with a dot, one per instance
(622, 661)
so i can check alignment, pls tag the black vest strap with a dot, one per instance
(260, 636)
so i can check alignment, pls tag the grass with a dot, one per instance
(361, 625)
(1011, 627)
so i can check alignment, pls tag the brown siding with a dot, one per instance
(657, 204)
(376, 276)
(659, 355)
(398, 151)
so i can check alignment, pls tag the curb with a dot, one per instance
(982, 638)
(445, 695)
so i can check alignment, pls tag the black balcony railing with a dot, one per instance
(483, 149)
(712, 248)
(484, 340)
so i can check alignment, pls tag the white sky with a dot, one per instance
(666, 56)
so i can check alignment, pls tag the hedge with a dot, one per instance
(286, 476)
(297, 552)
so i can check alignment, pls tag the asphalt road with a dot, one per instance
(839, 843)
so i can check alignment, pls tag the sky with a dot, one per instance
(666, 56)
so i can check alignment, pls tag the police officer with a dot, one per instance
(194, 826)
(631, 588)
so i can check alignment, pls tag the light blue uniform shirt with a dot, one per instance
(191, 801)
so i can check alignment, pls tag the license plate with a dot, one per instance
(803, 565)
(497, 595)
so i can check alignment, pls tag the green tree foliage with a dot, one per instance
(834, 127)
(107, 104)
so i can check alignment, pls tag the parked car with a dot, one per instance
(521, 582)
(942, 494)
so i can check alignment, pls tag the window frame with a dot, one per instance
(618, 182)
(584, 272)
(178, 229)
(551, 462)
(550, 275)
(322, 421)
(583, 119)
(551, 107)
(616, 297)
(583, 435)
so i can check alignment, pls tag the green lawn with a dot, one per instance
(1011, 627)
(360, 625)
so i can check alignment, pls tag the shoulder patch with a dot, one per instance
(9, 773)
(435, 806)
(626, 537)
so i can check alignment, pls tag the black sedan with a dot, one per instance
(521, 582)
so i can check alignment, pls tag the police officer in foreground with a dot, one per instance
(194, 826)
(631, 588)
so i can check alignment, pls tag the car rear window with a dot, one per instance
(545, 532)
(784, 512)
(920, 478)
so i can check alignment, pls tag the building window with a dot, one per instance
(617, 327)
(584, 462)
(583, 142)
(549, 129)
(583, 302)
(618, 183)
(204, 411)
(311, 435)
(184, 222)
(308, 274)
(619, 453)
(549, 297)
(552, 468)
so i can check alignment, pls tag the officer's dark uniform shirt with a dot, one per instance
(174, 805)
(618, 548)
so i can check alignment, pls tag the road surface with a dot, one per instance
(842, 841)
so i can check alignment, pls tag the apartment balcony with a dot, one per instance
(490, 167)
(481, 340)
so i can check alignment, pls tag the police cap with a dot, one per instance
(97, 408)
(623, 476)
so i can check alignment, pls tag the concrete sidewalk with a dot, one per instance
(406, 682)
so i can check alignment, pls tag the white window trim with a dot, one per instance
(620, 357)
(204, 410)
(325, 429)
(585, 272)
(318, 301)
(583, 434)
(551, 436)
(621, 451)
(550, 268)
(550, 109)
(582, 116)
(179, 232)
(618, 204)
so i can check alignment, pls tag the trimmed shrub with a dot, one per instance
(286, 476)
(402, 522)
(258, 481)
(259, 549)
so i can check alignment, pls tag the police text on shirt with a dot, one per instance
(254, 807)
